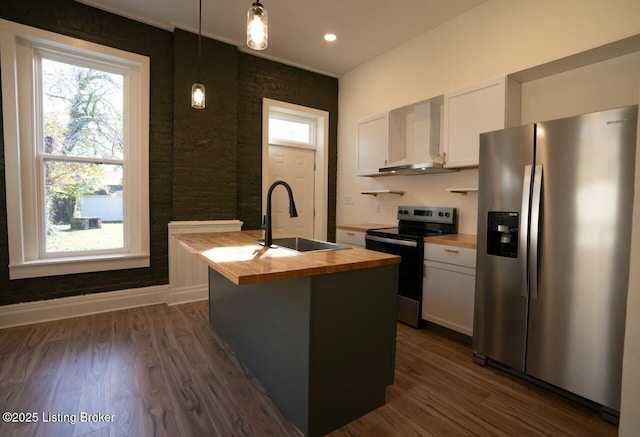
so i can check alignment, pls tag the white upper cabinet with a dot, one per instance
(468, 112)
(372, 144)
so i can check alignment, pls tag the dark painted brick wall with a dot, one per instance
(204, 165)
(77, 20)
(260, 78)
(205, 140)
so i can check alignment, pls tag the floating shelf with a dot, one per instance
(376, 192)
(463, 191)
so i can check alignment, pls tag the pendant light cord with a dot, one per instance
(199, 38)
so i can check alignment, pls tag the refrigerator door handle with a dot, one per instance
(524, 228)
(534, 231)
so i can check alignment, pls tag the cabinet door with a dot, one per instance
(468, 113)
(448, 296)
(372, 144)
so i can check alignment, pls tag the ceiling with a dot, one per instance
(365, 28)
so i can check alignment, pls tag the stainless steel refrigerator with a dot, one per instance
(554, 228)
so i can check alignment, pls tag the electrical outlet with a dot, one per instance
(348, 200)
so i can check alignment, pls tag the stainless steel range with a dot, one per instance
(407, 241)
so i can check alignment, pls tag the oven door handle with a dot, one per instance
(392, 241)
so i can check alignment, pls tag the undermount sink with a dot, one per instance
(301, 244)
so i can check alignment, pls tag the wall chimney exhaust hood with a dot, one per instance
(416, 130)
(409, 168)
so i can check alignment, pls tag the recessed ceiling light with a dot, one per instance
(330, 37)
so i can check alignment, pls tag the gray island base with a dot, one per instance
(323, 347)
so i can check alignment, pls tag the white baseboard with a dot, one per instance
(187, 294)
(75, 306)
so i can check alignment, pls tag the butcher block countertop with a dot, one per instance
(460, 240)
(241, 259)
(363, 227)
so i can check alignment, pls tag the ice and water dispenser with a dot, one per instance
(502, 234)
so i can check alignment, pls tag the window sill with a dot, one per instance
(68, 266)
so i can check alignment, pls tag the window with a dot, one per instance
(288, 128)
(80, 120)
(76, 154)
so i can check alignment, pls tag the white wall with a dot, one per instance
(496, 38)
(605, 85)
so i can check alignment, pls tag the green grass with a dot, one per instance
(62, 239)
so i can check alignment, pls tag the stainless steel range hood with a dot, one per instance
(405, 167)
(416, 129)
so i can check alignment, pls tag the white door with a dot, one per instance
(295, 166)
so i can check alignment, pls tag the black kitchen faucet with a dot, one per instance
(293, 212)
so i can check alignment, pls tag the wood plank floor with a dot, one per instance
(160, 371)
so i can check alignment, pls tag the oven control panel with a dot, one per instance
(427, 214)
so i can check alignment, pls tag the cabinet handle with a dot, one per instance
(452, 250)
(351, 233)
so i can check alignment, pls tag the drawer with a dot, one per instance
(461, 256)
(350, 237)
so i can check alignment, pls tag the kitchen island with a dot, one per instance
(316, 329)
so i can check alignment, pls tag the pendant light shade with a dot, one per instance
(257, 27)
(197, 96)
(197, 89)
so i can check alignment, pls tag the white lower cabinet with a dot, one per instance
(449, 287)
(350, 238)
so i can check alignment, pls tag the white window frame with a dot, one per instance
(18, 46)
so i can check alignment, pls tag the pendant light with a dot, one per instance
(197, 89)
(257, 27)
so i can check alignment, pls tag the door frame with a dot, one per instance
(321, 158)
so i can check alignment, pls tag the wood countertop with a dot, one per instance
(460, 240)
(363, 227)
(241, 259)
